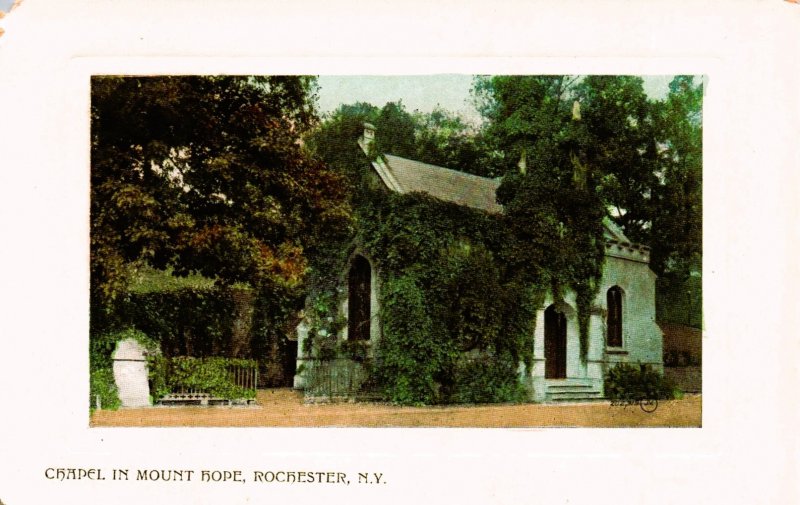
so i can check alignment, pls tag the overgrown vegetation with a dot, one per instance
(633, 383)
(207, 178)
(459, 283)
(212, 375)
(188, 322)
(101, 349)
(201, 186)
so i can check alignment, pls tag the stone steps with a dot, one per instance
(571, 390)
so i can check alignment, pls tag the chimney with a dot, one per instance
(576, 111)
(367, 139)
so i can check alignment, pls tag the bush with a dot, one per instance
(206, 375)
(102, 385)
(487, 379)
(631, 383)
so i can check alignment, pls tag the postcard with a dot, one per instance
(495, 254)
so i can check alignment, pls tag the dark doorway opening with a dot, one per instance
(555, 344)
(289, 363)
(359, 281)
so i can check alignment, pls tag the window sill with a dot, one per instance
(616, 350)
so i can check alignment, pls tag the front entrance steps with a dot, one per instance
(572, 390)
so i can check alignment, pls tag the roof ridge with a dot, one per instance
(459, 172)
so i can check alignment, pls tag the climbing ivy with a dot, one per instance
(450, 307)
(459, 287)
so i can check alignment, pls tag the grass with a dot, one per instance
(146, 279)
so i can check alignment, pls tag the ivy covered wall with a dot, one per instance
(459, 287)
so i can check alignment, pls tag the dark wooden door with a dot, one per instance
(358, 317)
(555, 344)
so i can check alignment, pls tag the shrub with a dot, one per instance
(626, 382)
(102, 386)
(207, 375)
(488, 379)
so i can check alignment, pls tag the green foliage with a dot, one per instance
(679, 300)
(102, 346)
(102, 385)
(591, 146)
(201, 180)
(677, 225)
(211, 375)
(572, 152)
(552, 210)
(355, 350)
(442, 294)
(395, 131)
(101, 375)
(206, 174)
(470, 276)
(556, 239)
(488, 379)
(439, 138)
(195, 322)
(324, 320)
(641, 157)
(629, 383)
(145, 279)
(409, 355)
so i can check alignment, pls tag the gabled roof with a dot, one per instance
(405, 176)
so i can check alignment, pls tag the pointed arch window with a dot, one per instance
(614, 323)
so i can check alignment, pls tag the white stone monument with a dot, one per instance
(130, 373)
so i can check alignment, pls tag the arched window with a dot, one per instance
(614, 303)
(359, 282)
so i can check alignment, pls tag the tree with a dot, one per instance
(642, 157)
(677, 207)
(334, 141)
(438, 137)
(395, 131)
(572, 148)
(207, 174)
(549, 189)
(597, 145)
(618, 144)
(444, 139)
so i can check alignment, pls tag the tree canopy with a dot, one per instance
(209, 175)
(641, 157)
(573, 150)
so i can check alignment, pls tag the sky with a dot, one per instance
(5, 5)
(424, 92)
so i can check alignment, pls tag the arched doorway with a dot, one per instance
(359, 281)
(555, 344)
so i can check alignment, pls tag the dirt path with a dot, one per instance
(285, 407)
